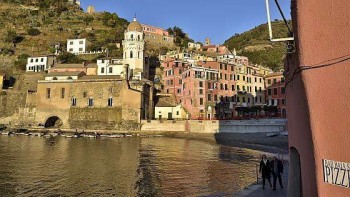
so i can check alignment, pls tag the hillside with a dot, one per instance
(35, 28)
(256, 46)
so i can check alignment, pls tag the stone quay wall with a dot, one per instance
(216, 126)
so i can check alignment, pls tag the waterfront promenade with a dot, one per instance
(257, 191)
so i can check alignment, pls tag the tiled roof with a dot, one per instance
(77, 73)
(166, 102)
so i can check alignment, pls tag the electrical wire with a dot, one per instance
(300, 69)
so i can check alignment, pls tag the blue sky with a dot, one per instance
(216, 19)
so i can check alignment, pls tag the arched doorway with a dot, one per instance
(53, 121)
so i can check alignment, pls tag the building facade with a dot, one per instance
(275, 92)
(40, 63)
(77, 46)
(157, 36)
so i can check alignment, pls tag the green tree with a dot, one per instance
(33, 31)
(69, 58)
(21, 62)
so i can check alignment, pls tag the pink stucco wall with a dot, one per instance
(318, 98)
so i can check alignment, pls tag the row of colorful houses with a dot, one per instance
(229, 88)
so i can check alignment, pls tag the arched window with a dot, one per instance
(69, 78)
(74, 101)
(55, 78)
(132, 36)
(131, 54)
(139, 38)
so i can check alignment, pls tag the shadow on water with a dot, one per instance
(149, 181)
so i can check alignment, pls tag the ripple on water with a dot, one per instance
(33, 166)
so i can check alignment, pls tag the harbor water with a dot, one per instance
(133, 166)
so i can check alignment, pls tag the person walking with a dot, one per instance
(277, 170)
(265, 170)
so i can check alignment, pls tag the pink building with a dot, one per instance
(275, 93)
(172, 77)
(200, 91)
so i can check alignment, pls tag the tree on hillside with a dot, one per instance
(11, 36)
(21, 62)
(181, 38)
(69, 58)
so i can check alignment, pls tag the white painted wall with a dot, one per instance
(37, 64)
(110, 67)
(177, 112)
(76, 46)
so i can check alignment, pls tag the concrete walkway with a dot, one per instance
(257, 191)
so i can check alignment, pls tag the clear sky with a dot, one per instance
(216, 19)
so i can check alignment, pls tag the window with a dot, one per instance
(200, 91)
(178, 91)
(226, 88)
(275, 91)
(71, 43)
(36, 60)
(272, 101)
(221, 86)
(180, 81)
(260, 99)
(220, 75)
(201, 101)
(110, 70)
(63, 92)
(243, 99)
(232, 88)
(48, 93)
(81, 42)
(90, 102)
(42, 59)
(269, 81)
(71, 49)
(80, 49)
(274, 81)
(31, 60)
(255, 79)
(238, 88)
(102, 70)
(85, 94)
(209, 85)
(209, 97)
(238, 99)
(177, 113)
(256, 89)
(215, 97)
(269, 92)
(283, 101)
(220, 66)
(74, 101)
(231, 68)
(131, 54)
(201, 84)
(243, 78)
(260, 89)
(282, 80)
(225, 66)
(283, 90)
(238, 77)
(259, 80)
(110, 102)
(248, 99)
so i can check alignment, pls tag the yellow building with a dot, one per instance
(167, 109)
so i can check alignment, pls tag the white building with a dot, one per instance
(110, 66)
(76, 46)
(167, 109)
(40, 63)
(195, 46)
(133, 50)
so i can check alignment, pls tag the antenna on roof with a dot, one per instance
(135, 18)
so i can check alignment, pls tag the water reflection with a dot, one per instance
(33, 166)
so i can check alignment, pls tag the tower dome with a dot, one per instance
(135, 26)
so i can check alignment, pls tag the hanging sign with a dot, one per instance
(336, 173)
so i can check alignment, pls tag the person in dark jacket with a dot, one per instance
(277, 170)
(265, 170)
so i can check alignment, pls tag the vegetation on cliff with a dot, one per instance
(256, 46)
